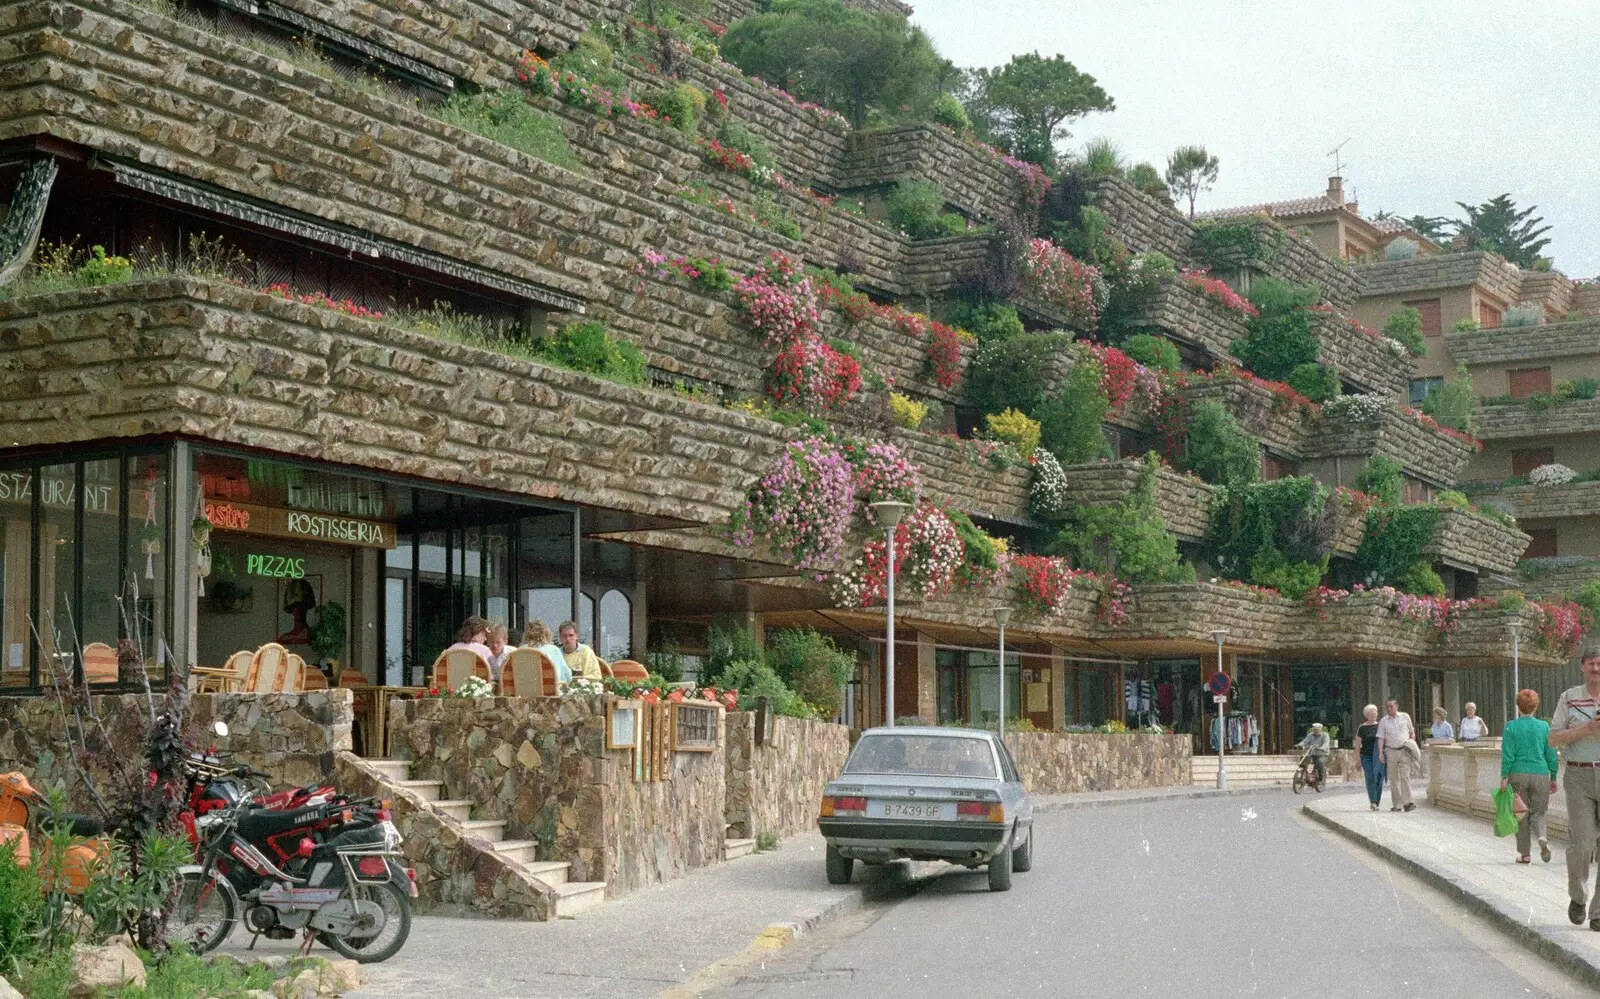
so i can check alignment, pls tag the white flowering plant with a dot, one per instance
(1553, 474)
(1049, 498)
(1358, 408)
(582, 686)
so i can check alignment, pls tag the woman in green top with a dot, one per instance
(1528, 763)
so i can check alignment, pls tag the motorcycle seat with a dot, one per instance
(370, 837)
(74, 823)
(261, 823)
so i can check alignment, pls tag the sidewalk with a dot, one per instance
(635, 946)
(1462, 857)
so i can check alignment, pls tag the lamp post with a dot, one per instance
(1222, 723)
(889, 513)
(1001, 616)
(1516, 678)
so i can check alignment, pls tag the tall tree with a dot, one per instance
(841, 58)
(1190, 170)
(1498, 225)
(1025, 104)
(1435, 227)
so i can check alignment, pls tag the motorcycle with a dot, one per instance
(318, 862)
(1305, 774)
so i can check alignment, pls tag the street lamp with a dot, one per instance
(1222, 723)
(1516, 679)
(1001, 616)
(889, 513)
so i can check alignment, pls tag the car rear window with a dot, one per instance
(924, 755)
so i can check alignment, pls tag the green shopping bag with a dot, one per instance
(1505, 820)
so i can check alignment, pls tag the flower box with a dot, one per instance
(1185, 313)
(1277, 422)
(1184, 502)
(1470, 539)
(959, 474)
(1407, 437)
(1363, 357)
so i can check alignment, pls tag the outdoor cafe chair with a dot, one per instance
(627, 669)
(267, 667)
(293, 677)
(533, 670)
(230, 677)
(453, 667)
(99, 663)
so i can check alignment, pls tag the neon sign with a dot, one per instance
(274, 566)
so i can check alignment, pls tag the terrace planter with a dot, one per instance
(1516, 420)
(1423, 450)
(1479, 542)
(954, 472)
(1186, 314)
(1279, 424)
(1573, 499)
(1188, 612)
(1366, 358)
(971, 178)
(1184, 502)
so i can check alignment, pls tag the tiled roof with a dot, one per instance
(1277, 209)
(1391, 224)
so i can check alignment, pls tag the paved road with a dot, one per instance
(1216, 897)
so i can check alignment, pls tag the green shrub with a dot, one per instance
(1153, 352)
(1453, 499)
(1272, 533)
(1420, 580)
(1317, 382)
(735, 135)
(1392, 546)
(1523, 315)
(1401, 249)
(1280, 339)
(754, 679)
(1102, 158)
(682, 104)
(1384, 480)
(1224, 245)
(1070, 420)
(1147, 178)
(1218, 450)
(990, 322)
(1466, 326)
(949, 112)
(1588, 597)
(1582, 388)
(1292, 579)
(812, 666)
(916, 208)
(22, 912)
(506, 117)
(1406, 327)
(591, 57)
(1128, 539)
(589, 347)
(1454, 403)
(1010, 373)
(1014, 427)
(1091, 240)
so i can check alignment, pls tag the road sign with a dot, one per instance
(1220, 699)
(1220, 683)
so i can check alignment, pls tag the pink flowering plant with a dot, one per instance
(1217, 291)
(778, 301)
(1057, 278)
(802, 506)
(322, 301)
(883, 474)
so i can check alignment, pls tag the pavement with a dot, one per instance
(1462, 857)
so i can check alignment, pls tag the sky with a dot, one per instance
(1440, 101)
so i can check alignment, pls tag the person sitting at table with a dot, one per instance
(499, 651)
(474, 635)
(580, 658)
(536, 635)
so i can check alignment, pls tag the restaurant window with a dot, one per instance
(1526, 459)
(1432, 315)
(616, 626)
(57, 623)
(16, 535)
(1524, 382)
(102, 552)
(1421, 388)
(1543, 543)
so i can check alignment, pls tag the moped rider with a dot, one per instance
(1316, 741)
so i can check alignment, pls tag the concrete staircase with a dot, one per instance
(572, 897)
(733, 849)
(1251, 770)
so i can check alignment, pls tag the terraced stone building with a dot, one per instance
(313, 364)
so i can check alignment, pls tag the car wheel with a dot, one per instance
(840, 867)
(1022, 856)
(1000, 871)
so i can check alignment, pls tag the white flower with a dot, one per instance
(1357, 408)
(1551, 475)
(1049, 497)
(1396, 348)
(475, 686)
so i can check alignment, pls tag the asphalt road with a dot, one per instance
(1212, 897)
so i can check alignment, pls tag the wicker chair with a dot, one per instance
(267, 667)
(231, 677)
(453, 667)
(99, 663)
(536, 672)
(312, 678)
(293, 676)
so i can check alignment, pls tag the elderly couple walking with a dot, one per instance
(1388, 748)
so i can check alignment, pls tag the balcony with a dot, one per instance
(1400, 434)
(1575, 499)
(1470, 539)
(1366, 359)
(1517, 420)
(1505, 345)
(1189, 316)
(1183, 501)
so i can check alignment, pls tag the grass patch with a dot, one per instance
(506, 117)
(766, 842)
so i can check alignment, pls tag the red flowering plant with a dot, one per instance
(322, 301)
(1047, 582)
(1561, 626)
(853, 306)
(927, 554)
(741, 164)
(1217, 291)
(1057, 278)
(1437, 427)
(942, 351)
(1354, 501)
(810, 374)
(802, 506)
(1322, 597)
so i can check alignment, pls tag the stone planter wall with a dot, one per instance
(293, 737)
(728, 11)
(1469, 538)
(777, 788)
(1579, 338)
(1442, 270)
(1185, 314)
(1517, 420)
(1071, 763)
(1140, 221)
(971, 179)
(951, 468)
(1280, 425)
(940, 266)
(1368, 361)
(1574, 499)
(1425, 452)
(1184, 502)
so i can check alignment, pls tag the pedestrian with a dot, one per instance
(1528, 763)
(1472, 728)
(1397, 742)
(1441, 731)
(1367, 746)
(1575, 730)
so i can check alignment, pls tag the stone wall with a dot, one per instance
(1442, 270)
(1140, 221)
(1185, 314)
(655, 831)
(1370, 362)
(1281, 427)
(776, 788)
(1184, 502)
(1575, 499)
(1425, 452)
(972, 179)
(1516, 420)
(1071, 763)
(293, 737)
(1299, 261)
(728, 11)
(1579, 338)
(953, 473)
(1550, 290)
(1468, 538)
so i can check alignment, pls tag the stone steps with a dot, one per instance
(1250, 770)
(570, 898)
(733, 849)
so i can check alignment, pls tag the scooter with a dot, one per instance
(18, 799)
(1305, 774)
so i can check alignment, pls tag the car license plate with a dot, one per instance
(917, 810)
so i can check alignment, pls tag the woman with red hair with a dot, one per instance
(1528, 763)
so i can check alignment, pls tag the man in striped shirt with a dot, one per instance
(1575, 730)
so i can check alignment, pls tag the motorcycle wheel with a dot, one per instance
(1299, 780)
(204, 913)
(396, 925)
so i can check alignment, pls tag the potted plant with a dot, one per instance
(150, 544)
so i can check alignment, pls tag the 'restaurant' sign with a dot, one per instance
(300, 525)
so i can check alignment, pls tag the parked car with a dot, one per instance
(928, 794)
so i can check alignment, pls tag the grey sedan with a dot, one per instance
(928, 794)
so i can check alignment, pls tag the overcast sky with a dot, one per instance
(1441, 101)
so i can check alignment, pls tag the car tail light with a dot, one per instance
(983, 811)
(832, 805)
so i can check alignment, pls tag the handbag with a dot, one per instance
(1519, 808)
